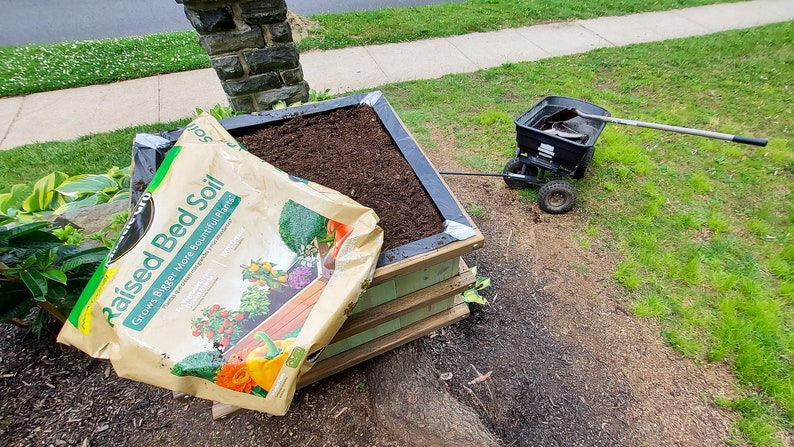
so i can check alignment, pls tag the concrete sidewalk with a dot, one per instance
(67, 114)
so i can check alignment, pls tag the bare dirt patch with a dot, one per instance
(555, 359)
(300, 26)
(583, 370)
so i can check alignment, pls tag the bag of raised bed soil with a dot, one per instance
(229, 278)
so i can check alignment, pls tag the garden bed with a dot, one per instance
(359, 147)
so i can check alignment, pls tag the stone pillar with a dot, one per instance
(250, 46)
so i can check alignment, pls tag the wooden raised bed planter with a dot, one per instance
(403, 270)
(416, 285)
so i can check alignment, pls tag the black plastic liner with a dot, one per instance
(149, 151)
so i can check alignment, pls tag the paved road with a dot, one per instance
(45, 21)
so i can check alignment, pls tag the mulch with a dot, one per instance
(349, 150)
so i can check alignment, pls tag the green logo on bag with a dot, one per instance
(295, 357)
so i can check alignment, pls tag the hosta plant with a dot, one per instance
(57, 193)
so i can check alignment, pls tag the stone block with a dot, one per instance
(280, 32)
(226, 42)
(288, 94)
(243, 103)
(252, 84)
(264, 11)
(292, 76)
(94, 218)
(272, 59)
(211, 20)
(227, 67)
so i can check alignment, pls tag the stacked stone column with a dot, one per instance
(250, 46)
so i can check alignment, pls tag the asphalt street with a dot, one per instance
(24, 22)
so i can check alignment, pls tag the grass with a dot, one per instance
(704, 228)
(26, 164)
(450, 19)
(475, 210)
(37, 68)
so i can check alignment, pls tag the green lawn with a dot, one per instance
(37, 68)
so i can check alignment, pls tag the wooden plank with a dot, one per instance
(402, 305)
(418, 262)
(221, 410)
(427, 311)
(428, 276)
(380, 345)
(360, 338)
(386, 328)
(406, 284)
(377, 295)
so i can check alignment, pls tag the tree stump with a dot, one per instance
(411, 402)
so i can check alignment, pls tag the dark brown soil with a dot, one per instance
(365, 165)
(555, 359)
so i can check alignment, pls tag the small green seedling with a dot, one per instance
(472, 295)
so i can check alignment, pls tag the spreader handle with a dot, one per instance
(684, 130)
(749, 140)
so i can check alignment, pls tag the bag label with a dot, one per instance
(181, 265)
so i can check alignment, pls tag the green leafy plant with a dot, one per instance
(255, 301)
(475, 210)
(11, 202)
(57, 192)
(108, 235)
(316, 96)
(69, 234)
(218, 111)
(39, 271)
(472, 295)
(283, 105)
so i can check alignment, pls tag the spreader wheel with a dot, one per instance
(584, 164)
(516, 166)
(556, 197)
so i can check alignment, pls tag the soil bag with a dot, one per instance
(230, 277)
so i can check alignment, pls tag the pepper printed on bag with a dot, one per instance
(252, 370)
(254, 365)
(265, 362)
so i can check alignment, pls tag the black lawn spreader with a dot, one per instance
(555, 140)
